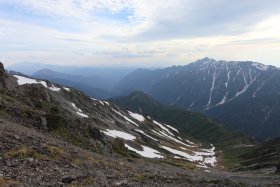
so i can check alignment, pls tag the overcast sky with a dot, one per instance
(139, 32)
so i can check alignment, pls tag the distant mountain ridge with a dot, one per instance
(238, 92)
(93, 86)
(105, 77)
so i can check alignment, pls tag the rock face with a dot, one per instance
(2, 76)
(6, 81)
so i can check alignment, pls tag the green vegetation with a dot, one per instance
(54, 151)
(192, 124)
(265, 155)
(118, 147)
(23, 152)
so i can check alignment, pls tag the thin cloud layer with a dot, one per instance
(139, 32)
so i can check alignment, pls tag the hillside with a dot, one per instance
(244, 94)
(53, 135)
(263, 156)
(191, 123)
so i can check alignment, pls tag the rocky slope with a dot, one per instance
(244, 94)
(53, 135)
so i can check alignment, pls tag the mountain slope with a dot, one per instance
(54, 135)
(264, 156)
(218, 89)
(42, 122)
(191, 123)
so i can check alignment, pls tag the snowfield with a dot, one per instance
(119, 134)
(79, 111)
(142, 132)
(192, 158)
(137, 116)
(24, 80)
(163, 127)
(126, 118)
(67, 89)
(147, 152)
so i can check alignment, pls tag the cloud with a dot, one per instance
(157, 20)
(138, 31)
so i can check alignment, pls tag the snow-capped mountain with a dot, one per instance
(222, 89)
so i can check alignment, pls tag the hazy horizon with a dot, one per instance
(139, 33)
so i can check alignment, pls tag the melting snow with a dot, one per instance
(210, 161)
(212, 88)
(24, 80)
(162, 134)
(94, 99)
(260, 66)
(247, 85)
(137, 116)
(170, 127)
(119, 134)
(142, 132)
(147, 152)
(82, 114)
(67, 89)
(126, 118)
(189, 157)
(205, 157)
(53, 88)
(163, 127)
(79, 112)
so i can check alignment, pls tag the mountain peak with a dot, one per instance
(206, 60)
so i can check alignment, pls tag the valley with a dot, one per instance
(59, 126)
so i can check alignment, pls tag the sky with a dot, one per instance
(139, 32)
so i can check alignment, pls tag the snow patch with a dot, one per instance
(163, 134)
(142, 132)
(192, 158)
(137, 116)
(212, 88)
(53, 88)
(260, 66)
(126, 118)
(147, 152)
(82, 114)
(172, 128)
(24, 80)
(79, 111)
(163, 127)
(119, 134)
(67, 89)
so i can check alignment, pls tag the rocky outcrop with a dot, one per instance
(6, 81)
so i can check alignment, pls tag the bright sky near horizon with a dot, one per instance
(139, 32)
